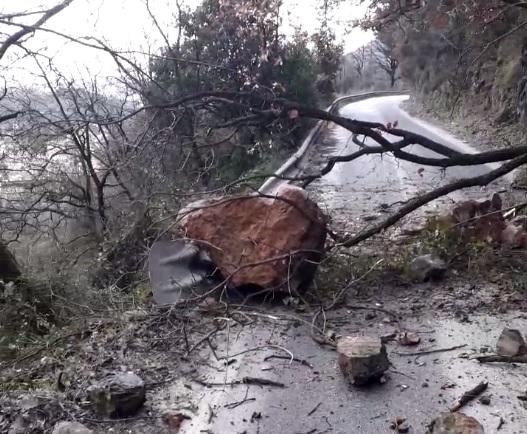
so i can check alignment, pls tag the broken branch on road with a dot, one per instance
(502, 359)
(470, 395)
(426, 352)
(294, 359)
(251, 381)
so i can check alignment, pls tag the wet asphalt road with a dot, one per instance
(356, 189)
(316, 399)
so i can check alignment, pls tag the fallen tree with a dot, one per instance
(262, 110)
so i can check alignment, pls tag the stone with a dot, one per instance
(511, 343)
(403, 428)
(118, 395)
(484, 400)
(428, 267)
(71, 428)
(362, 359)
(455, 423)
(481, 221)
(408, 339)
(244, 234)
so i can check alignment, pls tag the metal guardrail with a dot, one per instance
(291, 165)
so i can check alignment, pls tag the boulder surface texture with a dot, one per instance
(260, 241)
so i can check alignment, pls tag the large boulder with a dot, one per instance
(260, 241)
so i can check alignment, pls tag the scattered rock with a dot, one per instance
(403, 428)
(400, 425)
(118, 395)
(71, 428)
(455, 423)
(511, 343)
(461, 316)
(245, 233)
(32, 414)
(408, 338)
(485, 400)
(485, 221)
(362, 359)
(428, 267)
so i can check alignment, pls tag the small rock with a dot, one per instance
(461, 316)
(118, 395)
(428, 267)
(511, 343)
(403, 428)
(362, 359)
(455, 423)
(485, 400)
(71, 428)
(370, 315)
(408, 339)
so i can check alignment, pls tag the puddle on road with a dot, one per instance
(317, 400)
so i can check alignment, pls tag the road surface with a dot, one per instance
(315, 399)
(357, 189)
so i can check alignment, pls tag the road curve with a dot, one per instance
(362, 187)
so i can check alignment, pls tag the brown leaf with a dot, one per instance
(174, 420)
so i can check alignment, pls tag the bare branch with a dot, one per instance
(15, 37)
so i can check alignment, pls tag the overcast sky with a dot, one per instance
(125, 24)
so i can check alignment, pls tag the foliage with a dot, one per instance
(459, 51)
(237, 46)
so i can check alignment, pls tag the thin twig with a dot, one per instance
(204, 339)
(294, 359)
(252, 381)
(315, 409)
(439, 350)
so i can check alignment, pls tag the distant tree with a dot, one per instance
(387, 60)
(327, 54)
(235, 45)
(359, 59)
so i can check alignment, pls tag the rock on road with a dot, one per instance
(315, 398)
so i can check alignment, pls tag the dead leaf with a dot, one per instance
(174, 420)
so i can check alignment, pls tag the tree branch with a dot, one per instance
(15, 37)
